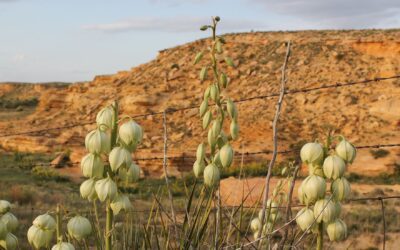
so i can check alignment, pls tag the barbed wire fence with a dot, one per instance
(182, 157)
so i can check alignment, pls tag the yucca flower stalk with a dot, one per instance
(215, 109)
(116, 144)
(325, 163)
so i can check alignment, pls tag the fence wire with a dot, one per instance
(173, 110)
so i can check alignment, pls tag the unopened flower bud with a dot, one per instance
(79, 228)
(340, 189)
(313, 188)
(211, 176)
(325, 210)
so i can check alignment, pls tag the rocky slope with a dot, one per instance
(365, 113)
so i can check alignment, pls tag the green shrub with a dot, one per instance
(379, 153)
(46, 173)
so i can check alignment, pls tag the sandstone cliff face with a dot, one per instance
(366, 113)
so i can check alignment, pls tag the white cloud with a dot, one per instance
(174, 24)
(337, 13)
(20, 57)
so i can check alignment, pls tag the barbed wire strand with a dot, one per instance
(173, 110)
(390, 145)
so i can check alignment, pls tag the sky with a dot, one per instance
(75, 40)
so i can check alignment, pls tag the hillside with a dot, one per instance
(365, 113)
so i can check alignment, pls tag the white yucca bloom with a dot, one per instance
(79, 227)
(10, 242)
(45, 221)
(119, 157)
(105, 118)
(106, 189)
(97, 142)
(312, 153)
(92, 166)
(10, 221)
(87, 189)
(121, 202)
(131, 134)
(63, 246)
(38, 237)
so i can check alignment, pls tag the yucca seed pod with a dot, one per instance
(312, 153)
(198, 168)
(334, 167)
(313, 189)
(203, 107)
(79, 228)
(10, 242)
(87, 190)
(97, 142)
(131, 174)
(346, 151)
(5, 206)
(226, 155)
(234, 129)
(211, 176)
(130, 134)
(223, 80)
(92, 166)
(39, 238)
(105, 118)
(325, 210)
(63, 246)
(305, 218)
(337, 230)
(207, 119)
(231, 108)
(3, 230)
(198, 57)
(119, 157)
(106, 189)
(200, 152)
(121, 202)
(340, 189)
(255, 225)
(45, 222)
(10, 221)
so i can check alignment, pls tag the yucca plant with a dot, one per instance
(8, 227)
(115, 144)
(324, 164)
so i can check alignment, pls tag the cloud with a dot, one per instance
(175, 24)
(20, 57)
(337, 13)
(177, 2)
